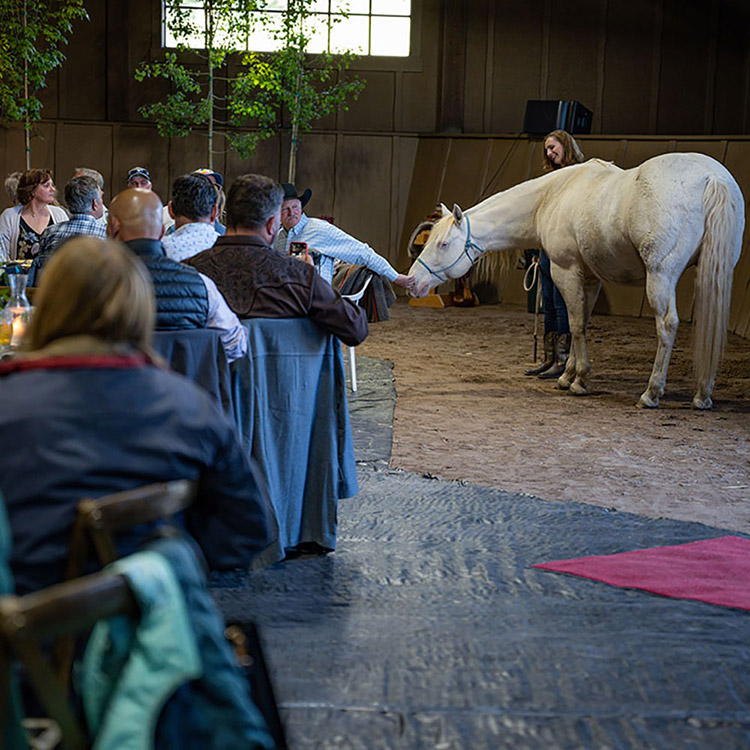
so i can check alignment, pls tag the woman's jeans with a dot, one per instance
(553, 305)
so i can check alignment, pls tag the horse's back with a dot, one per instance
(688, 169)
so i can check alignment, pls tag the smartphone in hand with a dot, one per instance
(298, 250)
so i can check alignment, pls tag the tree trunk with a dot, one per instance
(293, 154)
(26, 119)
(209, 48)
(295, 122)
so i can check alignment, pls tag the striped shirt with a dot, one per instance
(333, 244)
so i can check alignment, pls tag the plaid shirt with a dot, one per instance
(78, 224)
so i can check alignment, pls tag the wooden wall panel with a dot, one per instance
(363, 183)
(637, 151)
(685, 296)
(465, 172)
(266, 160)
(425, 182)
(738, 163)
(619, 299)
(642, 66)
(684, 74)
(12, 156)
(733, 48)
(715, 149)
(49, 96)
(374, 108)
(599, 148)
(475, 80)
(42, 148)
(317, 163)
(83, 87)
(511, 161)
(144, 43)
(418, 95)
(518, 66)
(628, 57)
(89, 146)
(574, 66)
(188, 154)
(404, 157)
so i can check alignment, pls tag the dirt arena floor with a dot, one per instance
(465, 410)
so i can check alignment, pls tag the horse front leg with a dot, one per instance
(661, 296)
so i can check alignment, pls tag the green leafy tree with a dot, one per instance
(32, 37)
(206, 37)
(308, 87)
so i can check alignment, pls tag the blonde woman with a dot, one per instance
(560, 150)
(85, 412)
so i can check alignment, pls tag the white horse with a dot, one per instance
(599, 222)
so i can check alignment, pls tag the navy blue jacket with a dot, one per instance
(181, 296)
(84, 426)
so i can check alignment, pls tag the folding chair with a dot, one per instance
(356, 297)
(67, 609)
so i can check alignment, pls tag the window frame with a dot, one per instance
(363, 63)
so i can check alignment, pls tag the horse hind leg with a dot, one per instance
(661, 296)
(570, 379)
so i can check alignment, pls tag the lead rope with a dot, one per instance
(530, 278)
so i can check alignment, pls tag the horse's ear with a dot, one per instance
(458, 214)
(444, 209)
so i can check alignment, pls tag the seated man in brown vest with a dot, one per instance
(260, 282)
(184, 297)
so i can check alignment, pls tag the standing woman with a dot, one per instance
(560, 150)
(21, 226)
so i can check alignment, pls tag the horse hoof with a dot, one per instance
(702, 403)
(646, 402)
(578, 389)
(562, 384)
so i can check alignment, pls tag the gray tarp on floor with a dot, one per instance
(428, 629)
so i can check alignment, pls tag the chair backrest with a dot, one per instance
(100, 519)
(357, 296)
(66, 609)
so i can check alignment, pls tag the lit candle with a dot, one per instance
(18, 330)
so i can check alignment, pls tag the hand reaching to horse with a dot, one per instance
(405, 282)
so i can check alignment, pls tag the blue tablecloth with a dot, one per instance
(198, 354)
(289, 400)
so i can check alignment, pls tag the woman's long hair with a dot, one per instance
(98, 288)
(572, 153)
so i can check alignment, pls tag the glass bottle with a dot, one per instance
(16, 315)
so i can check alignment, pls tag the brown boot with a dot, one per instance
(549, 355)
(562, 350)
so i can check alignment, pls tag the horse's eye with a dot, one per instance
(443, 245)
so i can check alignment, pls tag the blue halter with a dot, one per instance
(467, 246)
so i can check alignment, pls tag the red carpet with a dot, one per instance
(716, 571)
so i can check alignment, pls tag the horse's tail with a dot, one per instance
(720, 250)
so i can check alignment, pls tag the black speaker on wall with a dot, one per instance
(545, 115)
